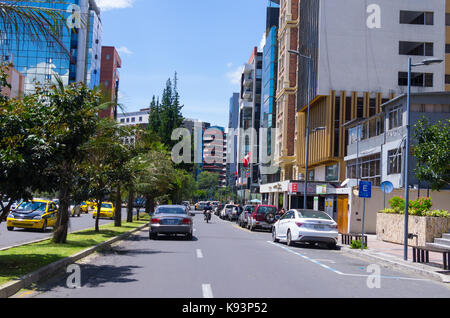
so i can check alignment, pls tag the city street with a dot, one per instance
(22, 236)
(225, 261)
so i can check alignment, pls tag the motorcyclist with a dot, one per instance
(207, 211)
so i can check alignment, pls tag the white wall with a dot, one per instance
(353, 57)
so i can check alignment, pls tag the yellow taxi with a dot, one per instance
(84, 207)
(106, 211)
(35, 214)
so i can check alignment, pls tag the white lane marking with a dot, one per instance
(199, 254)
(207, 291)
(338, 272)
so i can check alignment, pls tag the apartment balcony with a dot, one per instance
(248, 69)
(248, 81)
(248, 94)
(245, 104)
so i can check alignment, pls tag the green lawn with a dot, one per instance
(22, 260)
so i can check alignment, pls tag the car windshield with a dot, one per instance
(314, 215)
(106, 205)
(170, 210)
(32, 207)
(250, 208)
(267, 209)
(229, 207)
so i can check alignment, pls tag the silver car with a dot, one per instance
(171, 220)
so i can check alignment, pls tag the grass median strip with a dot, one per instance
(19, 261)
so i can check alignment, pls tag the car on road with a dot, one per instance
(84, 207)
(306, 226)
(187, 204)
(107, 210)
(263, 217)
(75, 210)
(201, 206)
(243, 217)
(35, 214)
(171, 220)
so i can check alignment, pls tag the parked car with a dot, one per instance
(243, 217)
(84, 207)
(107, 210)
(306, 226)
(187, 204)
(218, 208)
(201, 206)
(263, 217)
(35, 214)
(75, 210)
(171, 220)
(227, 211)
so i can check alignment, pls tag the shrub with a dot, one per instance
(438, 214)
(356, 244)
(420, 206)
(397, 203)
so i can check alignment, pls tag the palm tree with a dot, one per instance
(38, 24)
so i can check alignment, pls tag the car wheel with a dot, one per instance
(44, 227)
(274, 236)
(153, 236)
(332, 246)
(189, 237)
(10, 228)
(289, 239)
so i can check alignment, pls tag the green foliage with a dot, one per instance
(419, 207)
(356, 244)
(432, 151)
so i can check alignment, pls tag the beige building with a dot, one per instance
(287, 88)
(17, 82)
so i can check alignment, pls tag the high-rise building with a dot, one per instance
(269, 93)
(109, 79)
(197, 130)
(214, 141)
(249, 124)
(359, 61)
(75, 59)
(233, 125)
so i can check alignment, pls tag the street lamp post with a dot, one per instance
(408, 132)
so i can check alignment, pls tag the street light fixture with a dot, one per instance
(408, 131)
(305, 194)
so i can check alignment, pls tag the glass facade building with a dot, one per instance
(74, 57)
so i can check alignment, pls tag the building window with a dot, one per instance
(396, 118)
(447, 48)
(128, 120)
(372, 107)
(133, 120)
(395, 161)
(122, 120)
(140, 119)
(416, 48)
(417, 79)
(447, 19)
(311, 175)
(108, 57)
(360, 107)
(368, 169)
(447, 78)
(332, 173)
(416, 17)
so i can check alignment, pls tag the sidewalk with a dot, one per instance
(392, 254)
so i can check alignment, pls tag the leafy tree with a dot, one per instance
(209, 182)
(72, 121)
(432, 150)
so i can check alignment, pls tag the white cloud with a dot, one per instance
(106, 5)
(235, 76)
(263, 42)
(124, 50)
(229, 65)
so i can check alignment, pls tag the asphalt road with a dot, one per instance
(22, 236)
(224, 261)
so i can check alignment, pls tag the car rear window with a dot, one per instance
(314, 215)
(266, 209)
(169, 210)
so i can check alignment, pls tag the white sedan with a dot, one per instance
(306, 226)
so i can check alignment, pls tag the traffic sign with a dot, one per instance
(365, 189)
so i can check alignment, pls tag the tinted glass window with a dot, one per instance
(170, 210)
(106, 206)
(314, 215)
(32, 207)
(266, 209)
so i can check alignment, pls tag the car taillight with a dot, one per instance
(334, 226)
(186, 221)
(155, 221)
(299, 224)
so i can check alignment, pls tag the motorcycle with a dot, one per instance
(207, 216)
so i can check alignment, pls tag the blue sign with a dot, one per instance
(365, 189)
(387, 187)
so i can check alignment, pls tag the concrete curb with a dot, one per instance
(410, 267)
(11, 288)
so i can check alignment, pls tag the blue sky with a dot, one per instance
(204, 41)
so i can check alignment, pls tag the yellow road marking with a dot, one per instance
(30, 292)
(241, 228)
